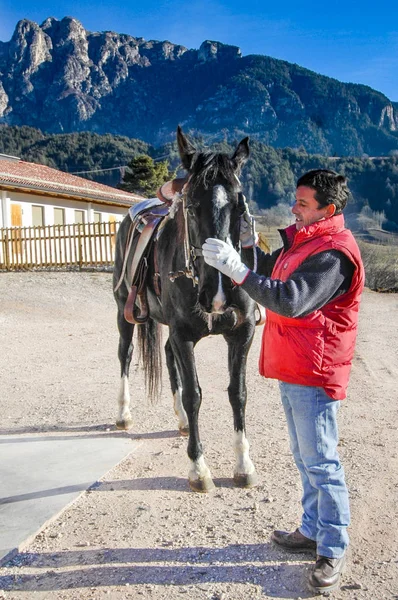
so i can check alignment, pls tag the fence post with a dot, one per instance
(4, 241)
(80, 248)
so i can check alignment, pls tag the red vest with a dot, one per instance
(315, 350)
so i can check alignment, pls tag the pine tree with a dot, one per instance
(144, 176)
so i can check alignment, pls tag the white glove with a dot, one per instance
(248, 235)
(225, 258)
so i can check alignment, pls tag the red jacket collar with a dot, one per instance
(329, 226)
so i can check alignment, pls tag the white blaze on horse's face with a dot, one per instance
(220, 199)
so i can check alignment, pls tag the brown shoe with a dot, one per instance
(294, 542)
(325, 577)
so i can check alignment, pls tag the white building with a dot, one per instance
(32, 194)
(53, 219)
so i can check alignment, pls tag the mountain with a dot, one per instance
(61, 78)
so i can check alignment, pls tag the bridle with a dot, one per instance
(191, 252)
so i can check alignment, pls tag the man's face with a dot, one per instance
(307, 210)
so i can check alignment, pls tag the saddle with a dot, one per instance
(146, 218)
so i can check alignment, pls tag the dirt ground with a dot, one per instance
(140, 532)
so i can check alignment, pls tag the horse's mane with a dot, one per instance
(176, 214)
(206, 166)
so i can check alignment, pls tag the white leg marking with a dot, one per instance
(180, 410)
(219, 299)
(199, 469)
(244, 465)
(124, 400)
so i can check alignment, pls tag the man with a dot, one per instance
(311, 289)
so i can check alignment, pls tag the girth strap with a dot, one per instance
(133, 313)
(139, 267)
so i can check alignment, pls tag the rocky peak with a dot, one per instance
(209, 51)
(161, 51)
(66, 29)
(29, 47)
(68, 36)
(109, 50)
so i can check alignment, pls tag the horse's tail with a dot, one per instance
(149, 344)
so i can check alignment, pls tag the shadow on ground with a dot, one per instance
(246, 563)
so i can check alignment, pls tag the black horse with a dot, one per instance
(195, 300)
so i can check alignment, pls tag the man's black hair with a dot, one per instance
(329, 187)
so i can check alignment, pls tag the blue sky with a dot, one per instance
(349, 40)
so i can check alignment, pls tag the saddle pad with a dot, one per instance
(144, 206)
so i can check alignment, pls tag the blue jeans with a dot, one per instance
(312, 423)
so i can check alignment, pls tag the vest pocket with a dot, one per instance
(308, 345)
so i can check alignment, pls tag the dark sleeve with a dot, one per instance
(265, 262)
(319, 279)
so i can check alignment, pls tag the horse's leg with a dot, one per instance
(176, 389)
(238, 348)
(199, 474)
(125, 352)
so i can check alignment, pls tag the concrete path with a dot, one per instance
(40, 475)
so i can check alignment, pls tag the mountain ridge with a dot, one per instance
(59, 77)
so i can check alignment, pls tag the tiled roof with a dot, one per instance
(39, 178)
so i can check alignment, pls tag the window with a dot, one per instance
(59, 216)
(37, 215)
(97, 221)
(16, 215)
(79, 216)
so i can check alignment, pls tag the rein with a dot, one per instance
(191, 252)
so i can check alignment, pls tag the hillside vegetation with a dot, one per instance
(268, 179)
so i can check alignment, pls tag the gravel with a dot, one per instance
(140, 532)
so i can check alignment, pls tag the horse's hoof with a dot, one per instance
(125, 424)
(184, 431)
(202, 486)
(243, 480)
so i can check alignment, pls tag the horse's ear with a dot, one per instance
(241, 154)
(185, 148)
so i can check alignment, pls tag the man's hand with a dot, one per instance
(248, 235)
(225, 258)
